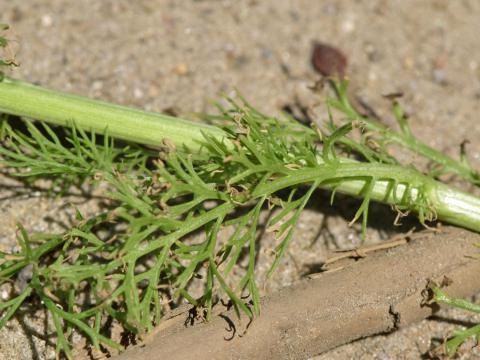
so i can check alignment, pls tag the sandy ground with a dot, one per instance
(177, 56)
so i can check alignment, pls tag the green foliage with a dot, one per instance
(382, 136)
(459, 336)
(168, 214)
(38, 152)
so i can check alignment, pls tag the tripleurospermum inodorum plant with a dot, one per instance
(192, 179)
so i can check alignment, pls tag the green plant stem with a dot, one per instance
(31, 101)
(449, 204)
(442, 298)
(459, 336)
(27, 100)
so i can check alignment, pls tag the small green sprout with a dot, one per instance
(459, 336)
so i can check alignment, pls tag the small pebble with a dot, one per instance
(408, 63)
(137, 93)
(46, 20)
(4, 294)
(181, 69)
(348, 26)
(372, 76)
(328, 60)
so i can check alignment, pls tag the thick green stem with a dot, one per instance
(451, 205)
(448, 203)
(23, 99)
(27, 100)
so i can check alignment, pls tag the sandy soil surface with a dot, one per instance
(177, 56)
